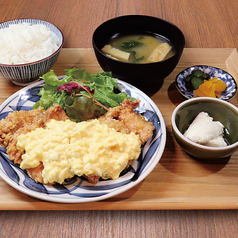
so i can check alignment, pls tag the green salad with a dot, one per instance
(81, 94)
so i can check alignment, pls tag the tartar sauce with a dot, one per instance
(67, 149)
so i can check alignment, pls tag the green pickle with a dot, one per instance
(198, 73)
(195, 79)
(196, 82)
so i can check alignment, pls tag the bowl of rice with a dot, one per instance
(28, 49)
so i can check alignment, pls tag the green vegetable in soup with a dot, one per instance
(130, 44)
(134, 58)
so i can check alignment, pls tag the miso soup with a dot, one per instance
(139, 48)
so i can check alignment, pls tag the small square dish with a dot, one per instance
(227, 94)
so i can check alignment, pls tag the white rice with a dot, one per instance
(24, 43)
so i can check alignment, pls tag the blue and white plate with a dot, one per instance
(78, 190)
(213, 72)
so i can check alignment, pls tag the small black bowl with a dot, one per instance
(149, 77)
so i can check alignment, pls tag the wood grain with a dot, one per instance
(206, 24)
(118, 224)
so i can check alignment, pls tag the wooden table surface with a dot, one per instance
(206, 24)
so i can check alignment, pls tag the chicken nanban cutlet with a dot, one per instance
(22, 122)
(122, 118)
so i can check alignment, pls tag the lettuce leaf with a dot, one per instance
(82, 108)
(102, 88)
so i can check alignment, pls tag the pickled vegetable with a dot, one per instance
(195, 79)
(210, 88)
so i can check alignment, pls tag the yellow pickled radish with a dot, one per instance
(210, 88)
(219, 86)
(199, 93)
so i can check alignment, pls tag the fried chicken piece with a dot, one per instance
(124, 119)
(13, 153)
(16, 120)
(135, 122)
(92, 178)
(16, 123)
(55, 112)
(36, 173)
(95, 178)
(22, 122)
(111, 120)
